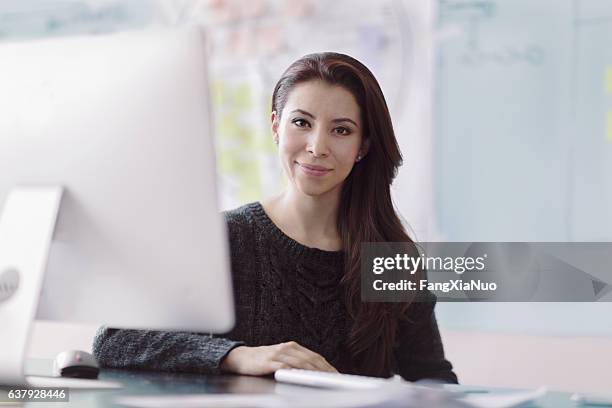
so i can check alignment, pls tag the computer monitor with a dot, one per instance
(119, 126)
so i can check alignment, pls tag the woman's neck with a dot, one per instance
(311, 221)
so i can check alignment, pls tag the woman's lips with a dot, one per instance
(316, 171)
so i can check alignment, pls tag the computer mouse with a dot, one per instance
(75, 364)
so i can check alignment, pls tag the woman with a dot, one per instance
(296, 257)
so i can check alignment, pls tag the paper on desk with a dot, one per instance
(392, 394)
(503, 399)
(313, 398)
(203, 401)
(287, 395)
(346, 400)
(331, 400)
(63, 382)
(302, 397)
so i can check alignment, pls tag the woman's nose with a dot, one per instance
(317, 144)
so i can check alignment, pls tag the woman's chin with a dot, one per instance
(313, 190)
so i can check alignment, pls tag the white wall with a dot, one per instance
(568, 363)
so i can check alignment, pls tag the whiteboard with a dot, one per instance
(524, 141)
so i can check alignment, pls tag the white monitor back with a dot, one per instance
(122, 122)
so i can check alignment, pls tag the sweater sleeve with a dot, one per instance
(420, 354)
(161, 350)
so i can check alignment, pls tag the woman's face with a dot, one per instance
(319, 134)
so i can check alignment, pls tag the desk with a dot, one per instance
(152, 383)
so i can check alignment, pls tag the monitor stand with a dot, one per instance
(27, 223)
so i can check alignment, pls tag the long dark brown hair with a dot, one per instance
(366, 212)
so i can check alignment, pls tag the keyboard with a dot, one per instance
(322, 379)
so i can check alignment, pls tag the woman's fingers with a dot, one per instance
(295, 361)
(319, 361)
(315, 359)
(290, 353)
(275, 365)
(265, 360)
(301, 357)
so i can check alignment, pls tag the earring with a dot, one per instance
(358, 158)
(276, 141)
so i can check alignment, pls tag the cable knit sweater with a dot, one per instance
(284, 291)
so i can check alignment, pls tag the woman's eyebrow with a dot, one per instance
(304, 113)
(335, 120)
(345, 120)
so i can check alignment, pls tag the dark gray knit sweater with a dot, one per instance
(284, 291)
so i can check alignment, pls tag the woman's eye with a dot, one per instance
(300, 122)
(342, 131)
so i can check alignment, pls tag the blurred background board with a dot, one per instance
(523, 141)
(523, 137)
(250, 43)
(502, 120)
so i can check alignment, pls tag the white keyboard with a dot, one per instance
(329, 380)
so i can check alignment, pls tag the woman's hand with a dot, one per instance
(266, 360)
